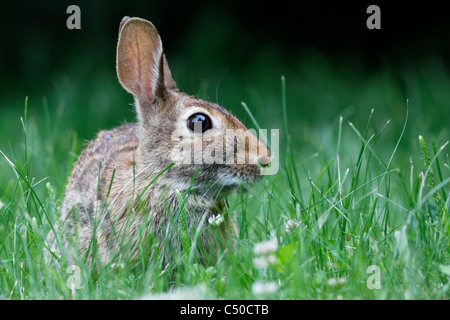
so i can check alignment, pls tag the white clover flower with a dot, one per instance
(334, 282)
(291, 225)
(198, 292)
(264, 261)
(117, 266)
(265, 247)
(264, 252)
(264, 288)
(216, 220)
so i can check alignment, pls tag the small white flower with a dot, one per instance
(263, 288)
(215, 220)
(1, 205)
(198, 292)
(291, 225)
(334, 282)
(117, 266)
(265, 247)
(264, 261)
(264, 252)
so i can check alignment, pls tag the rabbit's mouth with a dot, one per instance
(227, 180)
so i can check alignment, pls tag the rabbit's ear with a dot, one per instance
(141, 65)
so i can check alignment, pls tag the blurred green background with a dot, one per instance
(226, 53)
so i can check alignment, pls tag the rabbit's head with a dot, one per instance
(200, 137)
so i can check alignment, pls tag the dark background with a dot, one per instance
(35, 42)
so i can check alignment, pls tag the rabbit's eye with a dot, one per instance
(199, 120)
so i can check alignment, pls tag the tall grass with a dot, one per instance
(353, 200)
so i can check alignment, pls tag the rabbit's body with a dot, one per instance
(109, 183)
(126, 186)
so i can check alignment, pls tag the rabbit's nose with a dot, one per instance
(264, 161)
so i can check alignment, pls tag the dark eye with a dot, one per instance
(199, 121)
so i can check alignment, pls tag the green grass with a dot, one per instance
(364, 175)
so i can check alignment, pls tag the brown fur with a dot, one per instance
(112, 191)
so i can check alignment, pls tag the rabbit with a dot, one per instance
(125, 183)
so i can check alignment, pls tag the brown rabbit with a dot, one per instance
(126, 181)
